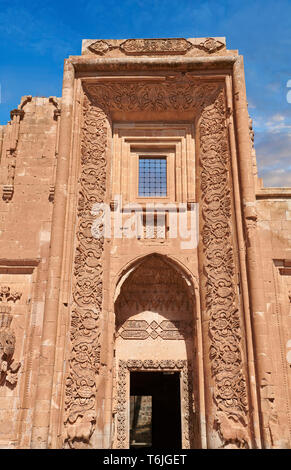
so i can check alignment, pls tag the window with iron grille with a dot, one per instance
(152, 177)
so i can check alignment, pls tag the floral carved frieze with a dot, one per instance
(187, 399)
(178, 95)
(166, 329)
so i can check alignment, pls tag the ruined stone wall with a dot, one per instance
(274, 233)
(28, 145)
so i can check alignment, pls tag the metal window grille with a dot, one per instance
(152, 177)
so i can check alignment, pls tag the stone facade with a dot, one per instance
(79, 312)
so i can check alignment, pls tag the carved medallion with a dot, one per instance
(211, 45)
(155, 46)
(99, 47)
(166, 329)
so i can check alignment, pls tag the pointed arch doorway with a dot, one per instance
(156, 376)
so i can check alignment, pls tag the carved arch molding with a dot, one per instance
(220, 303)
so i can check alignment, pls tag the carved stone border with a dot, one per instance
(220, 300)
(84, 360)
(187, 400)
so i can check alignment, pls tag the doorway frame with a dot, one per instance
(121, 409)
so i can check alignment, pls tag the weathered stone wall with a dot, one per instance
(28, 159)
(274, 233)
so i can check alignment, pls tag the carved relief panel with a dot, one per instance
(17, 321)
(8, 366)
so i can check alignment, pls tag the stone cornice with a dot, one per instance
(90, 64)
(273, 193)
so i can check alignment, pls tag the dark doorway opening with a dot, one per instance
(155, 410)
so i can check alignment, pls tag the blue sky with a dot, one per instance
(36, 36)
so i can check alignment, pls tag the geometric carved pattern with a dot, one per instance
(230, 390)
(166, 329)
(187, 401)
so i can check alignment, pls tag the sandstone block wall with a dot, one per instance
(28, 156)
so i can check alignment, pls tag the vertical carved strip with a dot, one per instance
(221, 303)
(187, 422)
(121, 426)
(84, 360)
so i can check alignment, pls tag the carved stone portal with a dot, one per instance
(219, 296)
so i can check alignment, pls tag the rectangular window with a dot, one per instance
(152, 177)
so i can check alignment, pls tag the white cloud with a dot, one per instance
(274, 158)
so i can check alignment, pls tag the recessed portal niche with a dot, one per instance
(155, 410)
(155, 351)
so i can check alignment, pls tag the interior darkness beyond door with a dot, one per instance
(155, 410)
